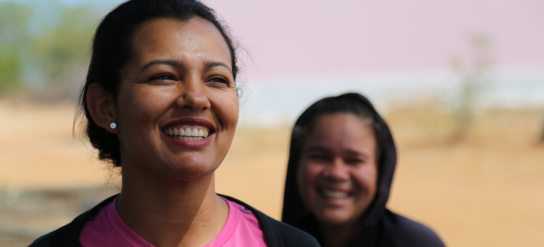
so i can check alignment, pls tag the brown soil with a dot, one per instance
(484, 191)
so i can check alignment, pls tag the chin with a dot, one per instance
(187, 171)
(335, 217)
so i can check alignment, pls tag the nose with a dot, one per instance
(337, 171)
(192, 95)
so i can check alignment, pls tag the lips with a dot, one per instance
(334, 193)
(189, 132)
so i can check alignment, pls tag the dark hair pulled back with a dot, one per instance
(112, 47)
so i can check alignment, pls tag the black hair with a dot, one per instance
(345, 103)
(112, 48)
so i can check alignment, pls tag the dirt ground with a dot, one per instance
(485, 191)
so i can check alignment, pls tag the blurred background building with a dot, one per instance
(461, 82)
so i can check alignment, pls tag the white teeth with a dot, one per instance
(196, 134)
(334, 194)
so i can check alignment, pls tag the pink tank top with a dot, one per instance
(108, 229)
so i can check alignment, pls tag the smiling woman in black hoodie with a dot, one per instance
(341, 165)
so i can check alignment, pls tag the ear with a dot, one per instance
(101, 107)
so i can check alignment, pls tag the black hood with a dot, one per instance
(379, 226)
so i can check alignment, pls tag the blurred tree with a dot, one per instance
(472, 80)
(13, 19)
(67, 43)
(42, 40)
(542, 135)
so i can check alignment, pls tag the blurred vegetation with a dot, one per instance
(542, 135)
(41, 40)
(474, 78)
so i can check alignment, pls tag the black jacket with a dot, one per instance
(379, 226)
(277, 234)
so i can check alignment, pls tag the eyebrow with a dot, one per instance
(316, 149)
(172, 63)
(322, 149)
(351, 152)
(215, 64)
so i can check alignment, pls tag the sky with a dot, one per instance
(312, 38)
(302, 37)
(297, 51)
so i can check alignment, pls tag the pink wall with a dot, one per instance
(316, 37)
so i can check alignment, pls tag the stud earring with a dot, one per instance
(113, 125)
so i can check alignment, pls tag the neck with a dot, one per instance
(170, 213)
(338, 235)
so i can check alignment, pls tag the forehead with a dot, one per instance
(341, 131)
(167, 38)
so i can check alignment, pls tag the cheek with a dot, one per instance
(226, 108)
(366, 179)
(307, 175)
(139, 108)
(145, 102)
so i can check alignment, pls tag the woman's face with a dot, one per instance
(337, 174)
(177, 107)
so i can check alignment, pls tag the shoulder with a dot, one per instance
(412, 233)
(51, 239)
(68, 235)
(292, 236)
(279, 234)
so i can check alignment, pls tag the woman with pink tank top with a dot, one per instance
(160, 101)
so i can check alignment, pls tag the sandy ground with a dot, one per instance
(485, 191)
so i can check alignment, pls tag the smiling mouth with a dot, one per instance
(334, 194)
(190, 133)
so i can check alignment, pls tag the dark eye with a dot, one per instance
(319, 157)
(219, 80)
(353, 161)
(163, 77)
